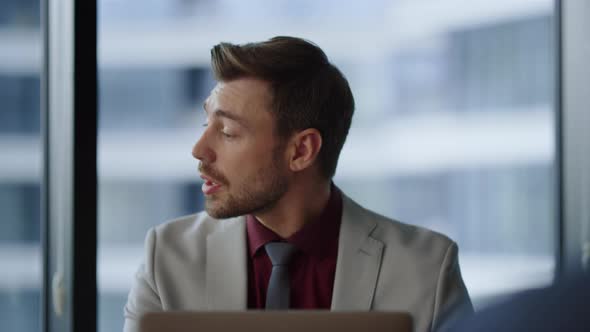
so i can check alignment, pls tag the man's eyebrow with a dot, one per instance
(229, 115)
(225, 114)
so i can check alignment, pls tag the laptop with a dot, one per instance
(276, 321)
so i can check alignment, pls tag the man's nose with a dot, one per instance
(202, 151)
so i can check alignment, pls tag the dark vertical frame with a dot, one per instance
(70, 171)
(85, 168)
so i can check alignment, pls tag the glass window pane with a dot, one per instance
(20, 166)
(453, 128)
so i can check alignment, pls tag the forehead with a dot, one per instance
(243, 96)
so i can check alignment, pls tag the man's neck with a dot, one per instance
(300, 205)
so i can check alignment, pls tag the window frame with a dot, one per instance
(70, 147)
(69, 199)
(573, 140)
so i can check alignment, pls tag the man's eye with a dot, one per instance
(226, 134)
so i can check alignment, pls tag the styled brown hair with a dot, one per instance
(308, 91)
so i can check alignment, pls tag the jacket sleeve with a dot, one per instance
(452, 301)
(143, 297)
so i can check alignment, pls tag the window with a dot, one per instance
(453, 127)
(20, 166)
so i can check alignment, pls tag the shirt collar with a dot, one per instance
(317, 237)
(258, 235)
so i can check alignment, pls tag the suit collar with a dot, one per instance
(227, 272)
(359, 259)
(357, 266)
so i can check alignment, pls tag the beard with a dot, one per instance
(255, 193)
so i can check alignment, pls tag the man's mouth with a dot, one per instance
(209, 186)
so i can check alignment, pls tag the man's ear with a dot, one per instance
(305, 147)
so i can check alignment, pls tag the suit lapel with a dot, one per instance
(358, 262)
(227, 273)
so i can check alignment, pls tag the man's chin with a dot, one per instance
(218, 210)
(223, 205)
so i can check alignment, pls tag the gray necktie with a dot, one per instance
(278, 292)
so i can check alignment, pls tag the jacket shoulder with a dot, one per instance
(196, 222)
(391, 231)
(411, 236)
(411, 243)
(189, 232)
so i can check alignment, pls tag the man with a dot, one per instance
(276, 122)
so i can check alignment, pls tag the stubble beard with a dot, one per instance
(257, 193)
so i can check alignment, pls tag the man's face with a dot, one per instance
(242, 161)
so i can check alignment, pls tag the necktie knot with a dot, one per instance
(280, 253)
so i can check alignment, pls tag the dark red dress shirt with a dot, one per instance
(312, 267)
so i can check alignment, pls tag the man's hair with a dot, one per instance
(308, 91)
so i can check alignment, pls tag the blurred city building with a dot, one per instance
(454, 128)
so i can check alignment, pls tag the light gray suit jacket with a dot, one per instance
(199, 263)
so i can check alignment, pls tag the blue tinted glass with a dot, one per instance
(20, 166)
(453, 127)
